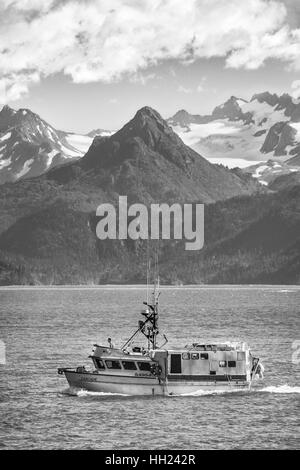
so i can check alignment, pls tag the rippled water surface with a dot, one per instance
(53, 327)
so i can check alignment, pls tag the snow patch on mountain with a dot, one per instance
(263, 114)
(69, 153)
(231, 162)
(80, 142)
(201, 131)
(25, 169)
(259, 171)
(265, 127)
(5, 136)
(100, 132)
(267, 172)
(51, 155)
(231, 141)
(4, 163)
(296, 125)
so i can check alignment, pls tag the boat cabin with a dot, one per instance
(210, 362)
(207, 362)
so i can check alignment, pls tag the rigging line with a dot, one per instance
(148, 318)
(148, 269)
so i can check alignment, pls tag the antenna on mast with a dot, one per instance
(149, 327)
(156, 294)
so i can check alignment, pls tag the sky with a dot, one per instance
(87, 64)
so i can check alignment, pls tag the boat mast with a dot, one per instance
(149, 327)
(156, 294)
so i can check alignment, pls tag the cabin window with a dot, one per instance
(212, 372)
(223, 364)
(144, 366)
(129, 365)
(175, 364)
(240, 355)
(99, 363)
(113, 364)
(231, 363)
(185, 355)
(204, 356)
(195, 355)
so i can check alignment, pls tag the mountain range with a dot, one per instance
(47, 229)
(262, 135)
(244, 133)
(29, 146)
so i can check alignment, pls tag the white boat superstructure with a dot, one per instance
(155, 370)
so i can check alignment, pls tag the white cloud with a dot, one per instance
(15, 86)
(200, 87)
(28, 5)
(143, 78)
(296, 89)
(91, 40)
(183, 89)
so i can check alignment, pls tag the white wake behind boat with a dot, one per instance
(155, 370)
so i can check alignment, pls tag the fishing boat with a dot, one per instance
(155, 370)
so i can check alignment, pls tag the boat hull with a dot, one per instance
(103, 383)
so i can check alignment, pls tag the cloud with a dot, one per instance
(143, 78)
(296, 89)
(91, 40)
(293, 12)
(183, 89)
(200, 87)
(15, 86)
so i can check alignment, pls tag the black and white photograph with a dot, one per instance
(149, 227)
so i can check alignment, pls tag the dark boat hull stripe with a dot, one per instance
(205, 378)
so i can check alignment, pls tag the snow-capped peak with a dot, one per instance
(29, 146)
(255, 130)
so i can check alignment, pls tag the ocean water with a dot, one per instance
(47, 328)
